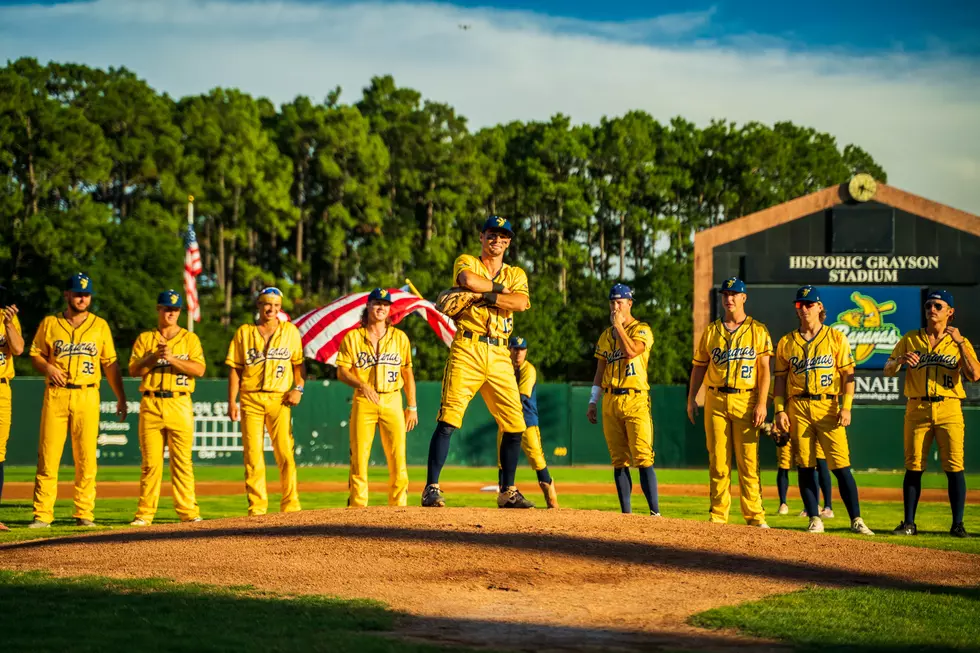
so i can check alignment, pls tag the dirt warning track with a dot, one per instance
(548, 580)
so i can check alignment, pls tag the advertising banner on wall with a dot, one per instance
(873, 318)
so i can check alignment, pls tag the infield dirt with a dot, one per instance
(529, 580)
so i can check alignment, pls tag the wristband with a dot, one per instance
(596, 391)
(848, 402)
(490, 298)
(498, 287)
(299, 389)
(779, 404)
(414, 409)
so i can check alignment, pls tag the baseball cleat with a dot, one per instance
(37, 523)
(432, 497)
(783, 509)
(196, 519)
(816, 525)
(802, 513)
(139, 521)
(858, 526)
(512, 498)
(654, 514)
(2, 527)
(550, 494)
(761, 525)
(958, 530)
(905, 528)
(826, 513)
(87, 523)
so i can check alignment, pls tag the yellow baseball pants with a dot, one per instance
(531, 444)
(475, 366)
(64, 411)
(926, 421)
(5, 409)
(628, 428)
(728, 430)
(170, 422)
(389, 417)
(785, 455)
(815, 422)
(265, 409)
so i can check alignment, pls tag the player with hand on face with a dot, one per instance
(938, 358)
(376, 360)
(266, 361)
(623, 352)
(169, 359)
(733, 354)
(11, 344)
(68, 349)
(813, 397)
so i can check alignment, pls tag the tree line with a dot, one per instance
(322, 198)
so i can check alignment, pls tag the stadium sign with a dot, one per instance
(860, 268)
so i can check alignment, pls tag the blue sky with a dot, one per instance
(901, 78)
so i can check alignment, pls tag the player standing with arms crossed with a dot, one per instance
(478, 361)
(376, 360)
(938, 359)
(813, 397)
(527, 382)
(265, 360)
(168, 359)
(68, 349)
(733, 354)
(11, 344)
(621, 373)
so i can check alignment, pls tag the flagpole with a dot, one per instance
(190, 224)
(411, 287)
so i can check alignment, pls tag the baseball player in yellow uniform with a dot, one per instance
(376, 360)
(938, 359)
(266, 361)
(621, 376)
(733, 355)
(68, 350)
(169, 359)
(813, 397)
(527, 381)
(479, 362)
(11, 344)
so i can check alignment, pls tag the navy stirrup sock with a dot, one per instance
(510, 451)
(911, 490)
(848, 491)
(826, 486)
(544, 476)
(808, 490)
(782, 484)
(1, 481)
(648, 481)
(624, 487)
(957, 494)
(438, 452)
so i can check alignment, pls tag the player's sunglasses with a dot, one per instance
(804, 304)
(270, 291)
(936, 305)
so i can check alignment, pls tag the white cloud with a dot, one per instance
(916, 115)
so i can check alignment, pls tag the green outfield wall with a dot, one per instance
(321, 429)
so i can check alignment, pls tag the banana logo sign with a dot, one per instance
(500, 222)
(866, 328)
(806, 291)
(173, 298)
(729, 283)
(83, 282)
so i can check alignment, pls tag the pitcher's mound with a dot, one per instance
(532, 580)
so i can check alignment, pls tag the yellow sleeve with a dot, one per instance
(139, 348)
(520, 283)
(782, 361)
(968, 346)
(464, 262)
(701, 352)
(600, 350)
(528, 380)
(236, 350)
(764, 340)
(194, 350)
(845, 357)
(345, 353)
(406, 348)
(108, 356)
(901, 348)
(39, 346)
(297, 345)
(644, 334)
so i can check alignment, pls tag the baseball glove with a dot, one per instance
(454, 301)
(769, 430)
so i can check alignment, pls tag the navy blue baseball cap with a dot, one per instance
(517, 343)
(808, 294)
(496, 223)
(942, 295)
(379, 295)
(170, 299)
(733, 284)
(79, 282)
(620, 291)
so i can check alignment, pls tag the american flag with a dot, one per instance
(323, 329)
(192, 268)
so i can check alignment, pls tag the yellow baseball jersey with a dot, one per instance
(77, 351)
(489, 320)
(162, 377)
(527, 377)
(730, 356)
(813, 367)
(266, 366)
(381, 368)
(621, 372)
(938, 372)
(6, 356)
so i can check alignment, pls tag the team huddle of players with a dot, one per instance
(812, 395)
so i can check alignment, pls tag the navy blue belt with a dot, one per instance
(3, 381)
(496, 342)
(73, 386)
(728, 390)
(623, 391)
(931, 399)
(814, 397)
(165, 394)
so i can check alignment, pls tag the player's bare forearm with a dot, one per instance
(15, 340)
(346, 375)
(600, 369)
(474, 282)
(514, 302)
(40, 364)
(408, 376)
(113, 374)
(188, 368)
(779, 387)
(697, 378)
(892, 367)
(763, 380)
(847, 381)
(632, 348)
(234, 383)
(142, 367)
(299, 374)
(969, 364)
